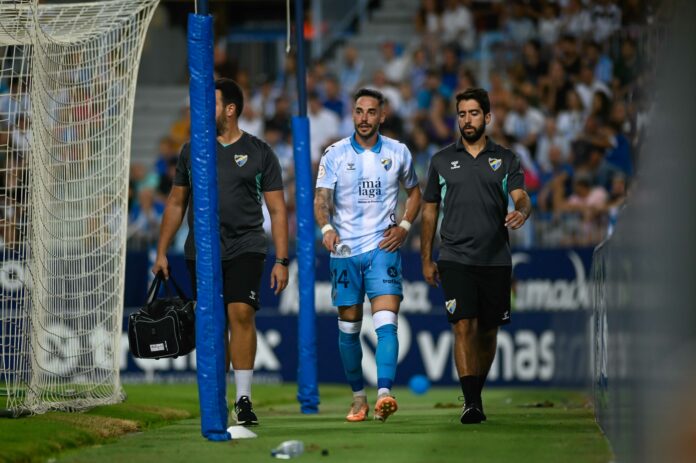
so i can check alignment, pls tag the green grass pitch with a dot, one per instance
(161, 423)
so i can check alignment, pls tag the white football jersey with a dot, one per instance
(366, 188)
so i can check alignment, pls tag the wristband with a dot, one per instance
(326, 228)
(405, 224)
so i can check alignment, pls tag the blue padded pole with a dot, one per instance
(307, 389)
(210, 312)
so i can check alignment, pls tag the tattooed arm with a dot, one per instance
(323, 206)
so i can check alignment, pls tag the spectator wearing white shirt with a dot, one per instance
(606, 19)
(549, 24)
(524, 122)
(571, 120)
(263, 101)
(395, 67)
(458, 25)
(323, 126)
(251, 121)
(21, 135)
(587, 85)
(576, 19)
(548, 138)
(429, 18)
(382, 85)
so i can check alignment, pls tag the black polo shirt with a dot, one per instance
(245, 169)
(473, 193)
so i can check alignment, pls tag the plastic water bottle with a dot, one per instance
(342, 249)
(288, 449)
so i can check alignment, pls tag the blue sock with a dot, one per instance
(351, 354)
(387, 355)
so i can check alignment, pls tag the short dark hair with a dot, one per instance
(478, 94)
(372, 93)
(231, 94)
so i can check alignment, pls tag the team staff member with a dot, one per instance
(247, 171)
(472, 178)
(359, 180)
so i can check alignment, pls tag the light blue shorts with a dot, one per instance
(375, 273)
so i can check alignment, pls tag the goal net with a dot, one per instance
(67, 85)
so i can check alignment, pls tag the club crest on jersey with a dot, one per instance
(386, 163)
(241, 159)
(451, 305)
(495, 163)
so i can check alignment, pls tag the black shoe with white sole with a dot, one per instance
(245, 412)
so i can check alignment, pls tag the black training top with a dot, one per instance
(474, 196)
(245, 169)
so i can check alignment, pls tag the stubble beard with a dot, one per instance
(476, 136)
(369, 135)
(221, 125)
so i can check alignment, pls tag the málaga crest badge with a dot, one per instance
(241, 159)
(495, 163)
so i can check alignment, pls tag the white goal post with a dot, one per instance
(67, 87)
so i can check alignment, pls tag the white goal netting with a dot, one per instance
(67, 86)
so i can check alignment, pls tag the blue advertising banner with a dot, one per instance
(537, 349)
(547, 342)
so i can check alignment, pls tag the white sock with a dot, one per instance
(242, 381)
(360, 393)
(383, 390)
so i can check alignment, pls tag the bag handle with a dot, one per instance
(154, 288)
(157, 283)
(176, 287)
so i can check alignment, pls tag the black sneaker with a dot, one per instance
(245, 412)
(471, 414)
(480, 407)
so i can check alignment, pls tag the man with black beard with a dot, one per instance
(472, 179)
(247, 172)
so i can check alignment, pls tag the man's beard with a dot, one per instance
(372, 131)
(474, 137)
(221, 125)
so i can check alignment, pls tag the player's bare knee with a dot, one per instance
(351, 313)
(465, 328)
(242, 320)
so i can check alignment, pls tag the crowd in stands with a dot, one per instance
(567, 81)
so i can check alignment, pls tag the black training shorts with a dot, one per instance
(476, 291)
(241, 278)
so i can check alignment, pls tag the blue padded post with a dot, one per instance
(210, 311)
